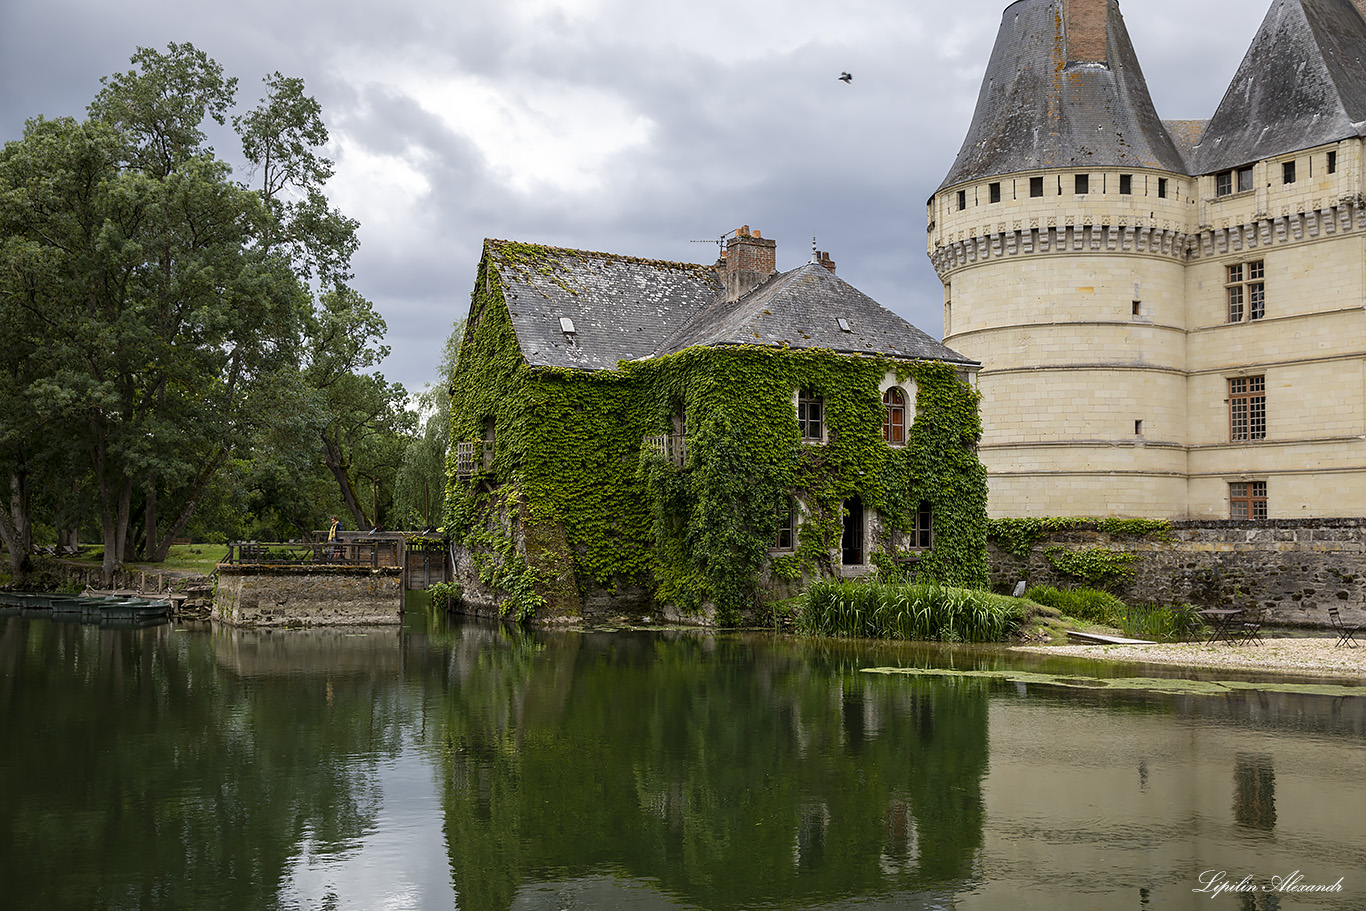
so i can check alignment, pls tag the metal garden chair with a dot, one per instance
(1345, 633)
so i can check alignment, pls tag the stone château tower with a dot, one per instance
(1169, 315)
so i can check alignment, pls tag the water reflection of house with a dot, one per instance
(611, 414)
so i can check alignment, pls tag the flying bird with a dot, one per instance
(846, 78)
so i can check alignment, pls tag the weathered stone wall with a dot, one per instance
(1294, 569)
(308, 596)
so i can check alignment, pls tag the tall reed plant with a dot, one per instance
(915, 611)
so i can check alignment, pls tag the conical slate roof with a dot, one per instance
(1042, 107)
(1302, 84)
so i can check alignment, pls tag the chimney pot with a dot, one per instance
(748, 261)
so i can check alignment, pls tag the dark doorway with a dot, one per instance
(852, 542)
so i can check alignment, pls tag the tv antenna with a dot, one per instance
(720, 243)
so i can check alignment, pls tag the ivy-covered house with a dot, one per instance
(658, 438)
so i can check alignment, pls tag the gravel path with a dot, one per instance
(1300, 657)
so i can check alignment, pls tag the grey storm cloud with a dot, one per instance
(645, 129)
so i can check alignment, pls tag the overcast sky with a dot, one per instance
(625, 126)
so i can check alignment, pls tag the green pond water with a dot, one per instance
(465, 765)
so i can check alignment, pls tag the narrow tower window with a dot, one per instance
(962, 200)
(995, 190)
(1332, 162)
(1161, 188)
(1036, 186)
(1288, 172)
(1083, 184)
(1126, 184)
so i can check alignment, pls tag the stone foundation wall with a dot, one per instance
(1293, 569)
(308, 596)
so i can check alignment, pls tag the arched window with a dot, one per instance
(894, 423)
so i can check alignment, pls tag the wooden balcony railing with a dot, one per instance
(671, 447)
(375, 552)
(472, 457)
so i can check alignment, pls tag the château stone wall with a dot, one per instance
(308, 596)
(1294, 569)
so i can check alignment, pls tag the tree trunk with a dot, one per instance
(333, 459)
(15, 529)
(114, 509)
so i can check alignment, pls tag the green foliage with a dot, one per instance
(445, 595)
(568, 464)
(1161, 622)
(922, 611)
(1093, 565)
(1018, 536)
(1085, 604)
(1145, 621)
(1161, 529)
(155, 307)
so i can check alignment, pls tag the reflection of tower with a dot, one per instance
(1254, 791)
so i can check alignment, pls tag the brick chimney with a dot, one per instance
(1085, 21)
(824, 258)
(749, 260)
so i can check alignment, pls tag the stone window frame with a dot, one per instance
(1247, 500)
(1226, 181)
(1245, 291)
(921, 533)
(1081, 184)
(994, 192)
(1288, 171)
(1332, 161)
(785, 538)
(1126, 185)
(894, 433)
(1246, 408)
(1161, 188)
(811, 426)
(1036, 187)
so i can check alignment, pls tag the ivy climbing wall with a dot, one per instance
(575, 517)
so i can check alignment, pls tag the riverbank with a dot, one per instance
(1313, 657)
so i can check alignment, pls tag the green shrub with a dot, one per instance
(917, 611)
(445, 595)
(1085, 604)
(1142, 621)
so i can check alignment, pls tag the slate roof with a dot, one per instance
(801, 309)
(1036, 111)
(624, 308)
(1301, 84)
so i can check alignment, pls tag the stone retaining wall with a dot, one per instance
(1294, 569)
(308, 596)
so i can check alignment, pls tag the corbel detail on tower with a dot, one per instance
(1348, 215)
(1142, 240)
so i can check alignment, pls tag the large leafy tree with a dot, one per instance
(155, 302)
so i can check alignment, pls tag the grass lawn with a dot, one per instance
(198, 558)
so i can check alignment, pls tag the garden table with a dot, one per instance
(1221, 623)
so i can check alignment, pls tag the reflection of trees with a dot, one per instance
(728, 773)
(149, 778)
